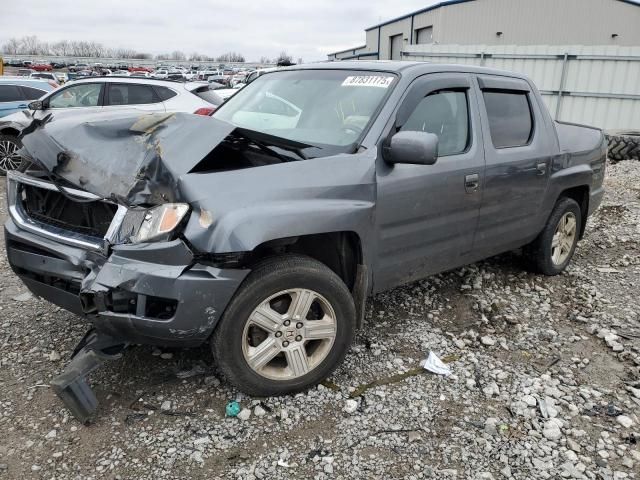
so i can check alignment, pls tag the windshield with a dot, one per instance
(321, 108)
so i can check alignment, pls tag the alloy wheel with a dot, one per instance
(289, 334)
(563, 238)
(9, 157)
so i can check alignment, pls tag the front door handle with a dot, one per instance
(542, 169)
(472, 183)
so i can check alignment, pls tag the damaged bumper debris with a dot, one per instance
(72, 387)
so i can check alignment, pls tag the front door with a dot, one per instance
(427, 214)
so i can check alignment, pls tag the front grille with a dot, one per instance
(53, 208)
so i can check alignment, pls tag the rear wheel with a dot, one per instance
(553, 249)
(286, 329)
(9, 157)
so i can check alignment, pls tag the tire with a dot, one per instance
(624, 146)
(541, 252)
(9, 160)
(237, 339)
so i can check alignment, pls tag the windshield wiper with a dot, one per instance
(268, 141)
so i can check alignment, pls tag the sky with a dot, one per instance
(307, 29)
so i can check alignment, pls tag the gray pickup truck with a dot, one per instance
(264, 228)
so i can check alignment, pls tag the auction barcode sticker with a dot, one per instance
(368, 81)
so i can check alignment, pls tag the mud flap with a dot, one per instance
(71, 385)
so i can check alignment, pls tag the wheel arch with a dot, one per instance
(581, 195)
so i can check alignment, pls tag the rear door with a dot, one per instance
(123, 96)
(426, 214)
(518, 154)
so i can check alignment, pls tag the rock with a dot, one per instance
(258, 411)
(551, 431)
(196, 456)
(488, 341)
(23, 297)
(166, 406)
(54, 356)
(166, 356)
(244, 414)
(414, 437)
(490, 426)
(573, 445)
(530, 400)
(52, 434)
(350, 406)
(57, 455)
(625, 421)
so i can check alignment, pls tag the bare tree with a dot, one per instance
(234, 57)
(284, 59)
(12, 47)
(178, 55)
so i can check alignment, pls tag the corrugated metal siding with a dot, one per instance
(522, 22)
(594, 71)
(534, 22)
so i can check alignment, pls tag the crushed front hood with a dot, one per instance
(132, 158)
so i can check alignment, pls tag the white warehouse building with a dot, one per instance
(583, 55)
(503, 22)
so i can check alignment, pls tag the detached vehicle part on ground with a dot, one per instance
(263, 228)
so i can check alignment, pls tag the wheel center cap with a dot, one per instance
(289, 333)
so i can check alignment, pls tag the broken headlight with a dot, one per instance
(159, 222)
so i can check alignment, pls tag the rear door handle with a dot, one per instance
(542, 169)
(472, 183)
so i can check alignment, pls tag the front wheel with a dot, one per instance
(286, 329)
(9, 157)
(553, 249)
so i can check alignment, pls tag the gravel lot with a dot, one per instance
(545, 384)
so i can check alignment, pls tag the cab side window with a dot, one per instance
(510, 118)
(446, 114)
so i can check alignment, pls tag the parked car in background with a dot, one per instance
(15, 95)
(121, 73)
(25, 72)
(138, 68)
(161, 74)
(79, 67)
(41, 67)
(109, 94)
(52, 77)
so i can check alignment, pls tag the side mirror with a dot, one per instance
(36, 105)
(418, 148)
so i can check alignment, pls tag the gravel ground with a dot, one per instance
(545, 384)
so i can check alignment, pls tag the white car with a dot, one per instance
(108, 94)
(161, 74)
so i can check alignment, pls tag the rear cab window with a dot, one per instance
(509, 109)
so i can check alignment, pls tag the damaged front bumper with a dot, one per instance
(152, 293)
